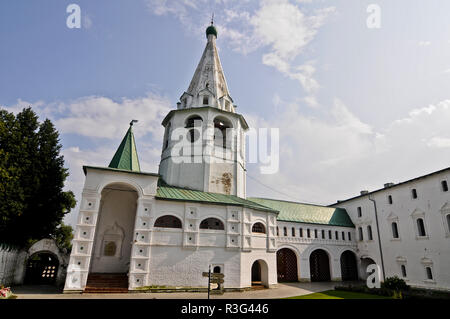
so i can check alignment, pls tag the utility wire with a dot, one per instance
(293, 198)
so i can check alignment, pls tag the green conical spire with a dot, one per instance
(126, 156)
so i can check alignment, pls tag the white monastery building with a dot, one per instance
(138, 229)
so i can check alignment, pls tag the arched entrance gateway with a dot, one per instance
(113, 238)
(349, 269)
(319, 265)
(42, 268)
(260, 274)
(286, 265)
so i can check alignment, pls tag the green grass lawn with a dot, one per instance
(338, 294)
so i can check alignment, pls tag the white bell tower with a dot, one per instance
(214, 130)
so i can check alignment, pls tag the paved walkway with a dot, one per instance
(282, 291)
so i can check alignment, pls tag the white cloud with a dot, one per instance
(103, 120)
(325, 159)
(424, 43)
(279, 27)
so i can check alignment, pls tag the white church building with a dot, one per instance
(137, 229)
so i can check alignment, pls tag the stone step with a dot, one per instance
(107, 283)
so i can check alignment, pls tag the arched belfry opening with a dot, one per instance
(222, 132)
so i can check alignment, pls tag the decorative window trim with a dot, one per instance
(416, 214)
(445, 210)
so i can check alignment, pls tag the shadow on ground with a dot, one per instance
(36, 289)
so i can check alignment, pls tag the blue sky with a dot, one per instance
(356, 107)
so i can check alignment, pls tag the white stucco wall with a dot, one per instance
(411, 250)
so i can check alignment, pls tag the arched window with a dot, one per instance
(315, 233)
(369, 232)
(360, 231)
(212, 223)
(285, 231)
(448, 221)
(205, 100)
(323, 234)
(168, 221)
(421, 227)
(308, 233)
(293, 232)
(403, 271)
(349, 236)
(444, 186)
(329, 235)
(216, 270)
(258, 228)
(220, 131)
(390, 199)
(300, 232)
(394, 230)
(429, 273)
(167, 135)
(343, 235)
(192, 123)
(336, 234)
(278, 231)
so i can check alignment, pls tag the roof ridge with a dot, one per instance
(288, 201)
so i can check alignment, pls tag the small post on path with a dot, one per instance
(209, 280)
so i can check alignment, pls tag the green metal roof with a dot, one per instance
(306, 213)
(182, 194)
(126, 156)
(85, 167)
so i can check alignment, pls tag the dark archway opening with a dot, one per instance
(42, 269)
(286, 265)
(349, 270)
(256, 274)
(319, 265)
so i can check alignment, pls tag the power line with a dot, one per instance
(293, 198)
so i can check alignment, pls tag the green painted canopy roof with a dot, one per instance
(166, 192)
(126, 157)
(306, 213)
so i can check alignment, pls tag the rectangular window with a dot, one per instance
(278, 231)
(308, 233)
(390, 199)
(293, 232)
(403, 271)
(301, 232)
(285, 231)
(360, 231)
(349, 236)
(336, 234)
(444, 186)
(329, 235)
(205, 100)
(315, 233)
(414, 193)
(323, 233)
(429, 273)
(359, 212)
(343, 235)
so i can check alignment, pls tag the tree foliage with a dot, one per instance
(32, 175)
